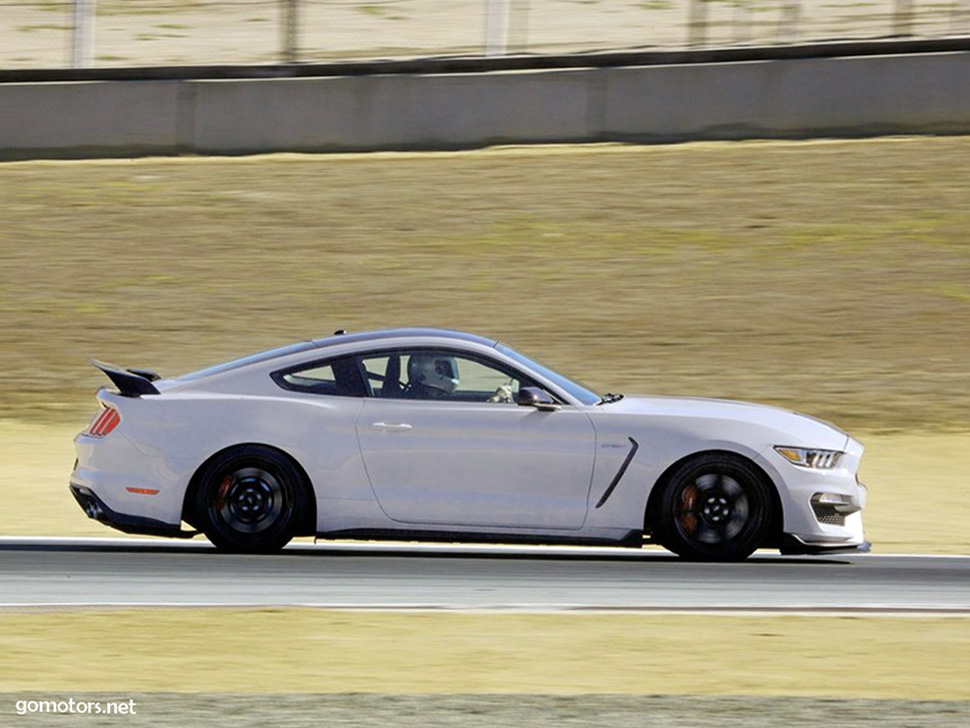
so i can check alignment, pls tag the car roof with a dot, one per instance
(334, 340)
(365, 336)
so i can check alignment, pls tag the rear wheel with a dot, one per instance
(716, 507)
(250, 500)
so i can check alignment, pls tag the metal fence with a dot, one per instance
(112, 33)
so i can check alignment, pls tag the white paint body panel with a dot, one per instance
(478, 465)
(494, 470)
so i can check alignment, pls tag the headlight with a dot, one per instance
(818, 459)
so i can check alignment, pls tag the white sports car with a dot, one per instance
(424, 434)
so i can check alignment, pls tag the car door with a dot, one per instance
(471, 457)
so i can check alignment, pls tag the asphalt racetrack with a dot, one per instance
(38, 572)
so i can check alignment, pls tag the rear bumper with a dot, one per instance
(96, 508)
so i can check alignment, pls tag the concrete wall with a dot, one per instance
(88, 119)
(818, 97)
(858, 96)
(379, 112)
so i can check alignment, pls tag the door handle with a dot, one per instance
(391, 426)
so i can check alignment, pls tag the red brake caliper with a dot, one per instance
(223, 492)
(688, 499)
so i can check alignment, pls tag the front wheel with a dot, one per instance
(250, 500)
(715, 507)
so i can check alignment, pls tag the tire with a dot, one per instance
(250, 500)
(716, 507)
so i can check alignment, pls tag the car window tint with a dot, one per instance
(312, 377)
(384, 375)
(477, 382)
(439, 375)
(579, 391)
(338, 377)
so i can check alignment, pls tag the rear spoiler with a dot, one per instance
(130, 382)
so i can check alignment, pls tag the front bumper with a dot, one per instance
(822, 508)
(794, 546)
(96, 508)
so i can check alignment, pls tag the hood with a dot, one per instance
(795, 429)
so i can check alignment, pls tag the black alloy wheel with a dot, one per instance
(716, 507)
(250, 500)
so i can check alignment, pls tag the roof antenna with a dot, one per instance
(340, 332)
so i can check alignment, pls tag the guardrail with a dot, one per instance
(462, 103)
(616, 59)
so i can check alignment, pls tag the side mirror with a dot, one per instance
(538, 398)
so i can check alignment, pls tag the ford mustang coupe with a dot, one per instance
(425, 434)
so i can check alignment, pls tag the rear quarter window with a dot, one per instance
(336, 377)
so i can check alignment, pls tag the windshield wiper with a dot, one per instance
(610, 397)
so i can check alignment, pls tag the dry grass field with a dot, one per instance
(320, 651)
(830, 277)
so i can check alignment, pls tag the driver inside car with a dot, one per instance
(503, 395)
(435, 376)
(431, 376)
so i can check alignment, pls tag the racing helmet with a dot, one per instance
(439, 371)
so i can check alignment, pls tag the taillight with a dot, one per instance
(104, 423)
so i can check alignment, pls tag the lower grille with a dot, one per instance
(827, 514)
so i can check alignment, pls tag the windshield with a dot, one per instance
(574, 389)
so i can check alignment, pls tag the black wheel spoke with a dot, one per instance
(718, 509)
(253, 503)
(250, 500)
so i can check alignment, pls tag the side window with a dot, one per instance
(440, 375)
(383, 375)
(337, 377)
(478, 382)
